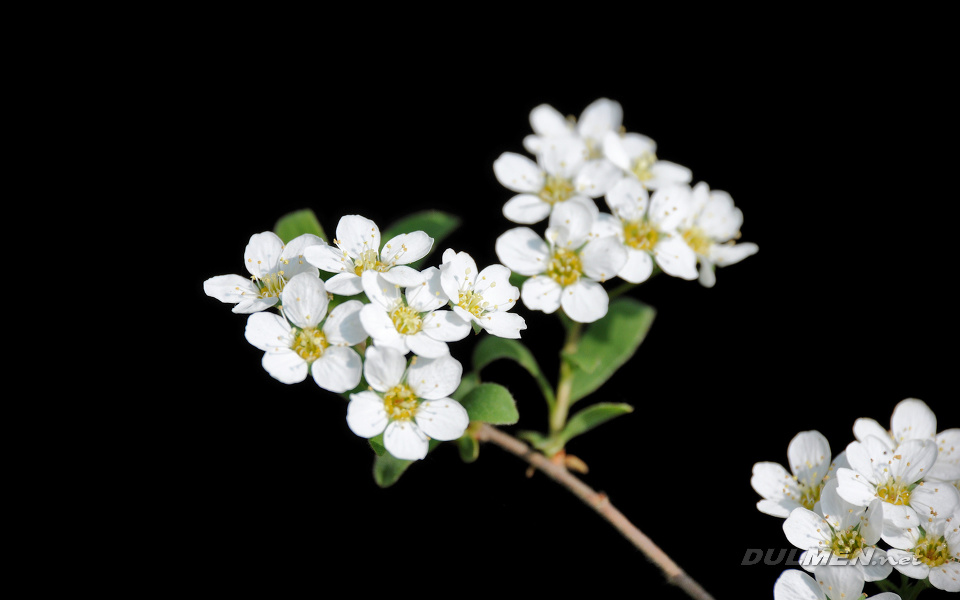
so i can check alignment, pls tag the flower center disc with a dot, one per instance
(369, 261)
(847, 543)
(400, 403)
(406, 319)
(642, 166)
(565, 267)
(473, 303)
(271, 284)
(810, 495)
(698, 240)
(556, 189)
(310, 344)
(640, 235)
(932, 553)
(894, 492)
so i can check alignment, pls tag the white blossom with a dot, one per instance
(928, 550)
(483, 297)
(835, 583)
(636, 155)
(271, 265)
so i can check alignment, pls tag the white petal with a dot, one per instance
(305, 301)
(458, 273)
(603, 258)
(534, 143)
(854, 487)
(934, 498)
(728, 254)
(719, 218)
(708, 278)
(423, 345)
(562, 157)
(806, 529)
(585, 301)
(252, 305)
(669, 206)
(503, 324)
(860, 455)
(338, 370)
(427, 295)
(356, 235)
(444, 419)
(809, 456)
(574, 219)
(366, 416)
(772, 481)
(343, 327)
(628, 199)
(262, 253)
(541, 293)
(596, 177)
(383, 367)
(778, 508)
(403, 276)
(796, 585)
(404, 440)
(545, 120)
(328, 258)
(344, 284)
(666, 173)
(523, 251)
(638, 267)
(285, 365)
(293, 260)
(268, 331)
(946, 577)
(518, 173)
(839, 581)
(871, 522)
(676, 258)
(435, 378)
(406, 248)
(865, 427)
(445, 326)
(382, 294)
(916, 459)
(493, 283)
(913, 420)
(600, 117)
(947, 467)
(903, 562)
(606, 225)
(526, 209)
(230, 289)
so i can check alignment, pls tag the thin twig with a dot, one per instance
(601, 504)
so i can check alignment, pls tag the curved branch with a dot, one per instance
(601, 504)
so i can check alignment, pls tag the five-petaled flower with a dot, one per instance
(484, 297)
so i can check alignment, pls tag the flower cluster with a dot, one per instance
(900, 485)
(364, 321)
(656, 219)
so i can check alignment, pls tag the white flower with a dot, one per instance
(844, 531)
(408, 404)
(894, 476)
(912, 419)
(711, 225)
(647, 228)
(302, 340)
(808, 456)
(636, 155)
(271, 265)
(836, 583)
(566, 269)
(411, 321)
(483, 297)
(358, 250)
(930, 550)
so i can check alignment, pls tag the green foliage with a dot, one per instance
(437, 224)
(491, 403)
(376, 442)
(387, 469)
(590, 417)
(469, 448)
(492, 348)
(297, 223)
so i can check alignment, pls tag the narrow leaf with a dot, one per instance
(492, 348)
(297, 223)
(437, 224)
(591, 417)
(491, 403)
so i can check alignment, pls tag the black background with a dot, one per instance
(842, 162)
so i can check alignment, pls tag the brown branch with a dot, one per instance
(601, 504)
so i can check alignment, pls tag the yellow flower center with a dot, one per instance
(369, 261)
(400, 403)
(310, 344)
(406, 319)
(565, 267)
(642, 166)
(810, 495)
(932, 553)
(698, 240)
(847, 543)
(556, 189)
(270, 284)
(640, 235)
(472, 302)
(594, 150)
(894, 491)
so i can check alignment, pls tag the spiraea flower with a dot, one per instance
(305, 339)
(483, 297)
(647, 229)
(928, 550)
(408, 404)
(809, 459)
(636, 155)
(710, 228)
(567, 268)
(912, 419)
(411, 320)
(271, 265)
(895, 476)
(358, 251)
(843, 531)
(835, 583)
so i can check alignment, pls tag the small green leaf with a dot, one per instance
(376, 442)
(387, 469)
(437, 224)
(493, 348)
(469, 448)
(535, 439)
(491, 403)
(591, 417)
(608, 344)
(298, 223)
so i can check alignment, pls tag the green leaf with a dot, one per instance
(297, 223)
(387, 469)
(592, 416)
(467, 383)
(608, 344)
(376, 443)
(492, 348)
(535, 439)
(491, 403)
(516, 279)
(437, 224)
(469, 448)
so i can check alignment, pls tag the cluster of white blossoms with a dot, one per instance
(899, 485)
(656, 218)
(402, 312)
